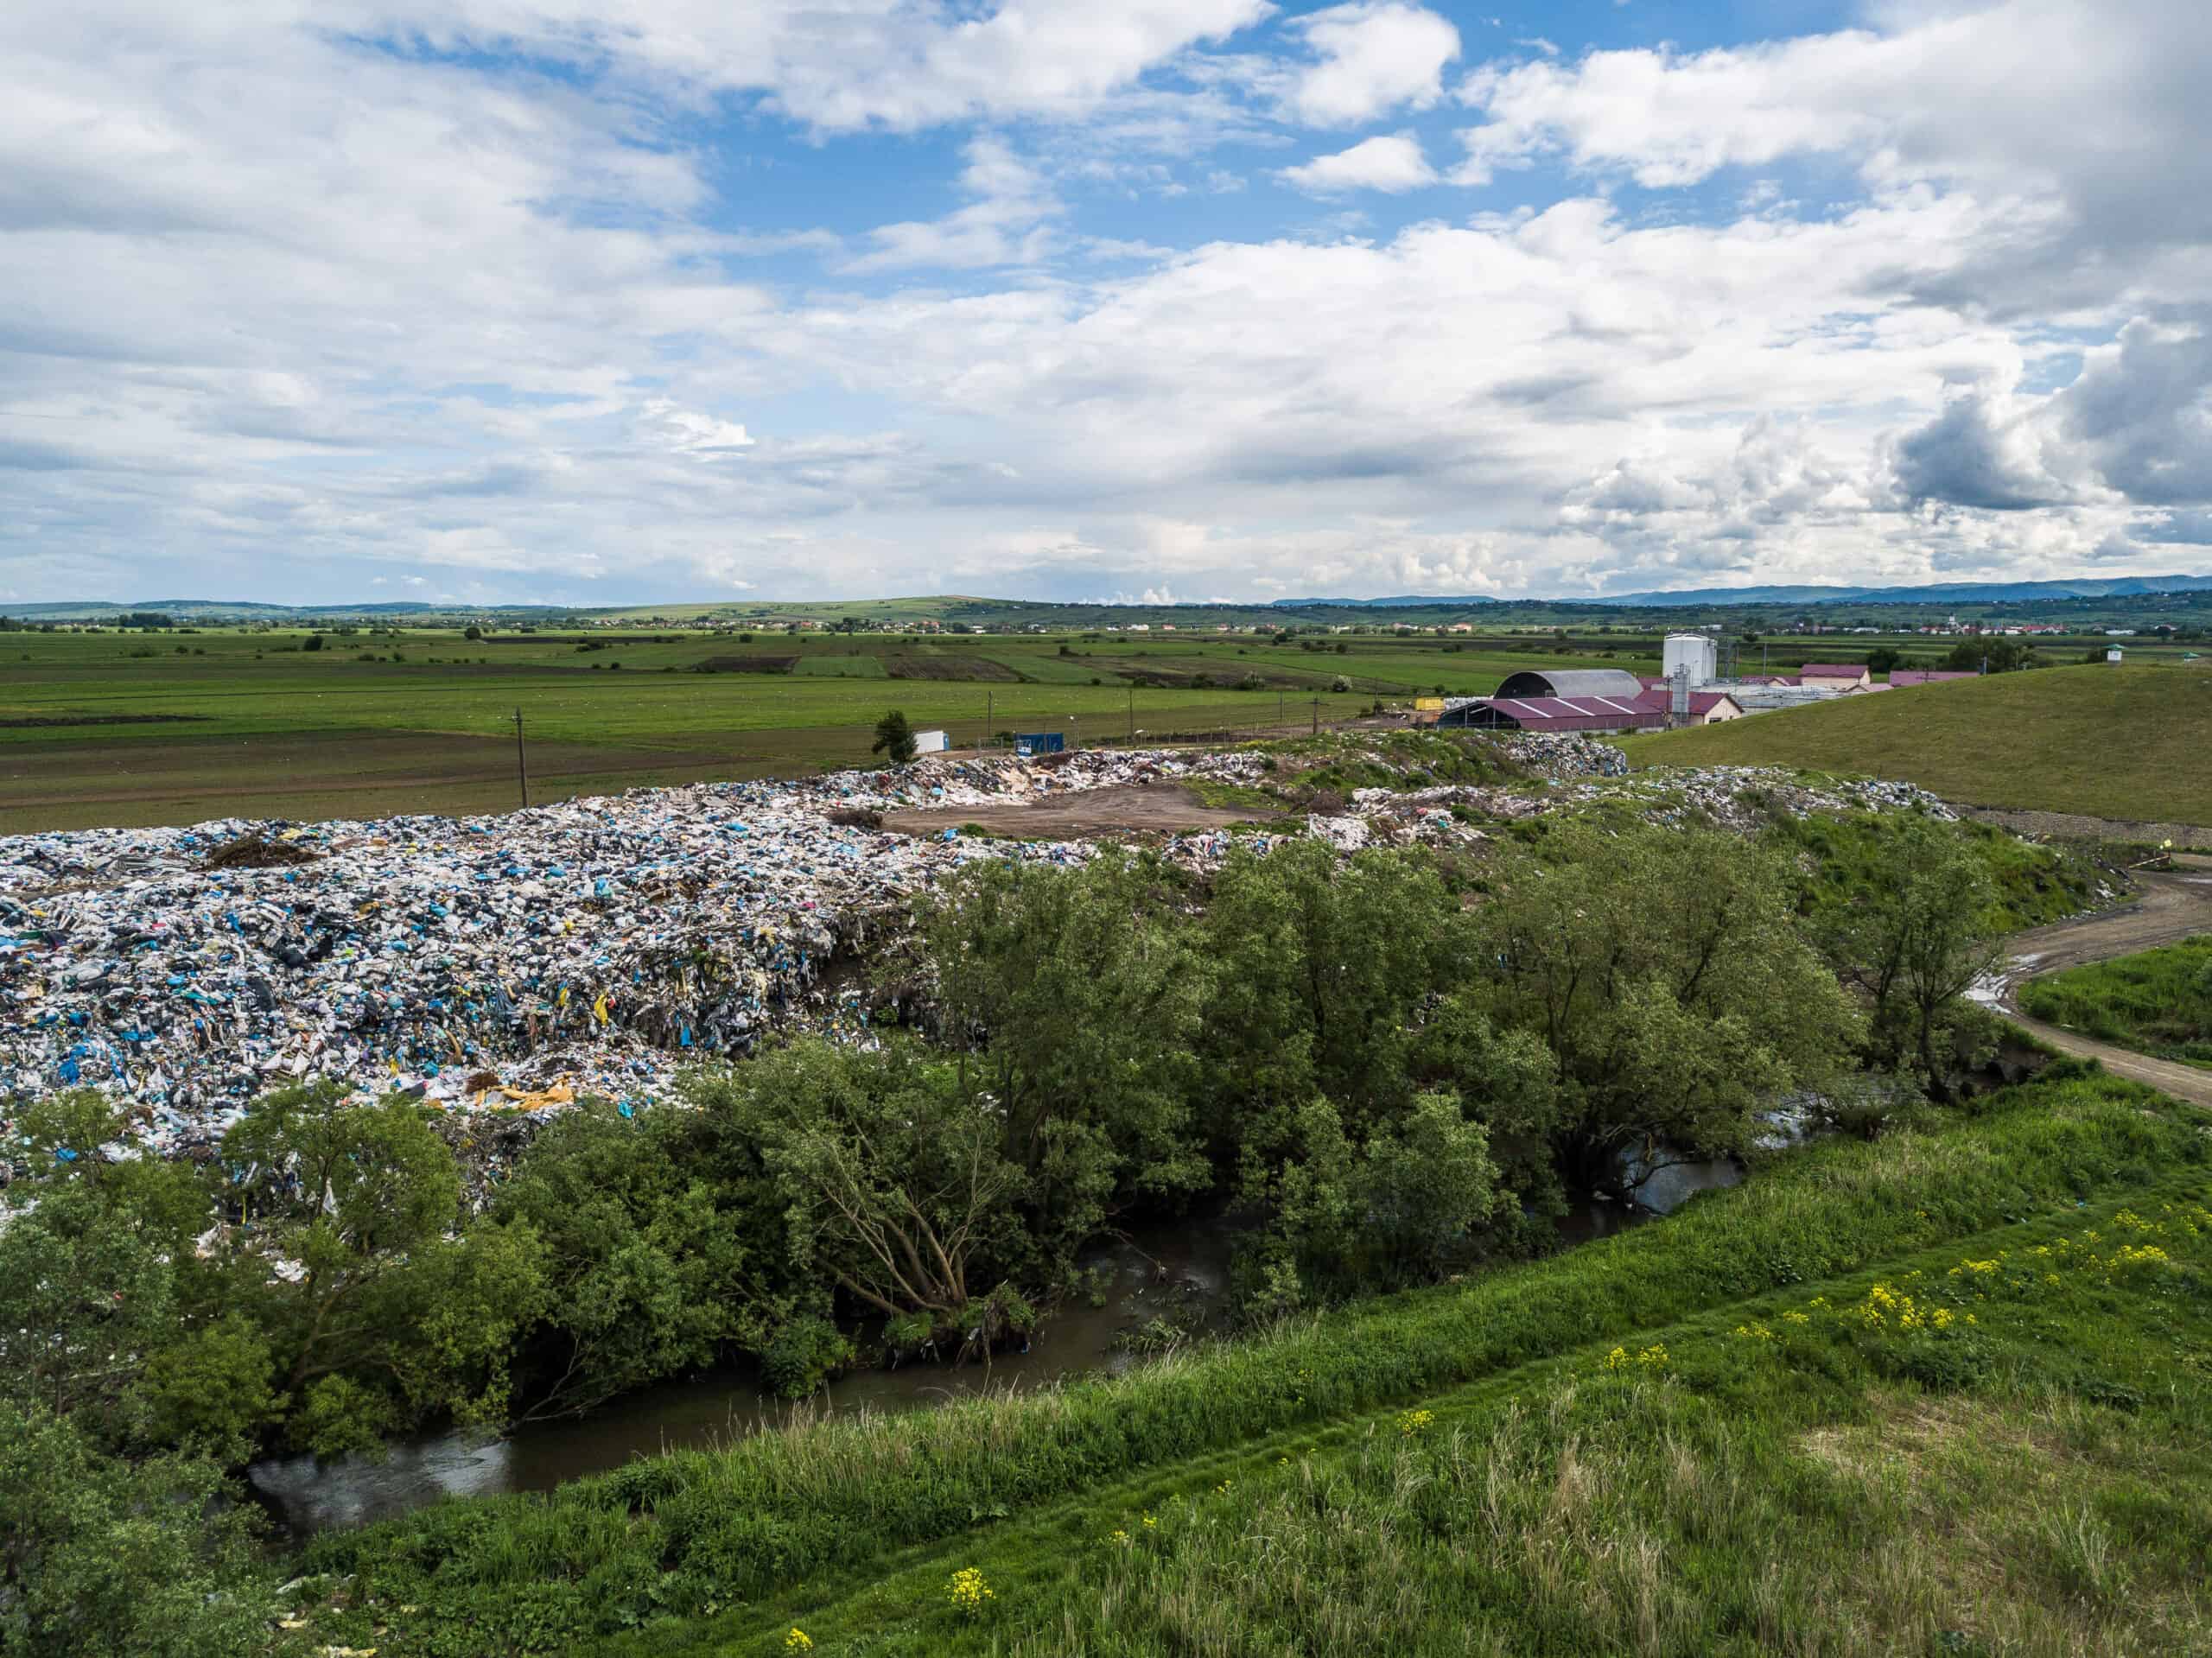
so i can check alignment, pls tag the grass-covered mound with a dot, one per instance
(2117, 743)
(2158, 1002)
(693, 1535)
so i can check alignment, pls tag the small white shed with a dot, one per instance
(931, 742)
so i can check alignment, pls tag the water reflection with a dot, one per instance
(1179, 1272)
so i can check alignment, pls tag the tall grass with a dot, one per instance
(691, 1530)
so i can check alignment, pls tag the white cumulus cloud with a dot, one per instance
(1371, 57)
(1390, 163)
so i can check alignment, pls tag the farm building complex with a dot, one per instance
(1597, 700)
(1605, 701)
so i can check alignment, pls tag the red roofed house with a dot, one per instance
(1706, 707)
(1835, 676)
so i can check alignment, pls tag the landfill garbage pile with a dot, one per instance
(510, 962)
(1742, 799)
(1564, 754)
(514, 963)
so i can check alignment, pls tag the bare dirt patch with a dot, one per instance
(2075, 826)
(258, 852)
(949, 667)
(40, 722)
(749, 664)
(1135, 809)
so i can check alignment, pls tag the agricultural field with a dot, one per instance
(2123, 743)
(173, 728)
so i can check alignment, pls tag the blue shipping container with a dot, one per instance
(1038, 742)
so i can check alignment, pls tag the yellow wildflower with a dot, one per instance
(970, 1592)
(798, 1641)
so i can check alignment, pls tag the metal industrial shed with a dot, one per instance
(1597, 714)
(1572, 682)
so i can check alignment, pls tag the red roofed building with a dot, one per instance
(1648, 710)
(1835, 676)
(1586, 714)
(1706, 707)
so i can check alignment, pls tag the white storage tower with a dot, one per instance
(1695, 653)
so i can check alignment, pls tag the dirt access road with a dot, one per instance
(2172, 907)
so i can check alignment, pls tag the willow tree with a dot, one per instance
(1666, 973)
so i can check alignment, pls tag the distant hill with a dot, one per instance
(1429, 601)
(2120, 742)
(248, 610)
(1964, 592)
(2107, 593)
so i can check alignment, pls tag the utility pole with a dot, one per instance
(522, 764)
(1133, 714)
(1278, 705)
(1317, 716)
(987, 721)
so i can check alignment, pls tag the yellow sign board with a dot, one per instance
(1429, 704)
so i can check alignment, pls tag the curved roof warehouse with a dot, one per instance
(1572, 681)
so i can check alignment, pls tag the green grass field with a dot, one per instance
(2158, 1002)
(109, 728)
(2117, 743)
(1716, 1434)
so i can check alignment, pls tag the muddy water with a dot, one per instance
(1179, 1272)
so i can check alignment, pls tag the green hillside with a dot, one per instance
(2125, 742)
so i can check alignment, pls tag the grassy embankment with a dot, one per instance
(2158, 1002)
(2109, 742)
(120, 729)
(1290, 1447)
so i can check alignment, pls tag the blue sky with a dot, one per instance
(552, 300)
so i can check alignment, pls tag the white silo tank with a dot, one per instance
(1695, 653)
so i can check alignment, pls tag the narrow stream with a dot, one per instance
(1176, 1269)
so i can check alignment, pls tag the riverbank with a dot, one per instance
(1996, 1445)
(689, 1535)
